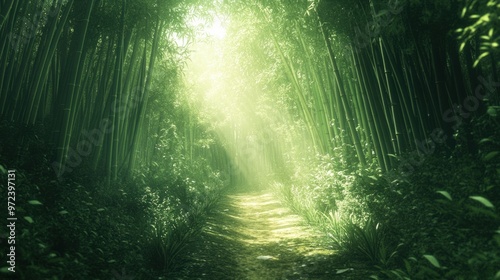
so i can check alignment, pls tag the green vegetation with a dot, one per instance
(128, 122)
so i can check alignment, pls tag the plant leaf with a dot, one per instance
(492, 111)
(433, 260)
(483, 201)
(462, 47)
(340, 271)
(485, 140)
(35, 202)
(373, 177)
(483, 55)
(490, 155)
(29, 219)
(5, 269)
(445, 194)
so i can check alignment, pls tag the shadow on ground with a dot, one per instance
(252, 236)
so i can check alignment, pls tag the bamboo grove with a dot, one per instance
(355, 113)
(374, 80)
(87, 68)
(368, 77)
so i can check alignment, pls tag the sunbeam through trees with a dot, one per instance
(261, 139)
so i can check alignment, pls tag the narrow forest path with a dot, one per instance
(252, 236)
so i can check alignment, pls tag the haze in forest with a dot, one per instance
(262, 139)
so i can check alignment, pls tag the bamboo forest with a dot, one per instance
(250, 140)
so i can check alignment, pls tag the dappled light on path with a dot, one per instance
(252, 236)
(265, 221)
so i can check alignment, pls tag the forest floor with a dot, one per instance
(252, 236)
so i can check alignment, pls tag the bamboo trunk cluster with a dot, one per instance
(59, 65)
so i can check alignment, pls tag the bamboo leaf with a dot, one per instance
(483, 55)
(433, 260)
(340, 271)
(373, 177)
(29, 219)
(462, 46)
(490, 155)
(485, 140)
(445, 194)
(35, 202)
(492, 111)
(483, 201)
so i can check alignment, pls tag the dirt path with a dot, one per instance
(252, 236)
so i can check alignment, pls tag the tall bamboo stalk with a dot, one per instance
(340, 85)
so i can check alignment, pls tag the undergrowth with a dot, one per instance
(83, 228)
(439, 221)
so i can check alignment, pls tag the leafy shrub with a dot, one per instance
(367, 241)
(336, 202)
(178, 195)
(323, 189)
(166, 245)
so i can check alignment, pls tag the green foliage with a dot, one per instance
(179, 192)
(333, 201)
(88, 230)
(353, 102)
(367, 241)
(329, 187)
(164, 249)
(433, 260)
(483, 19)
(450, 229)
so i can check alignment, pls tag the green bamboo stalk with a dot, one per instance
(377, 104)
(291, 73)
(331, 105)
(430, 104)
(360, 107)
(388, 131)
(404, 98)
(392, 102)
(116, 94)
(416, 111)
(45, 55)
(5, 11)
(376, 136)
(343, 98)
(318, 94)
(70, 81)
(7, 63)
